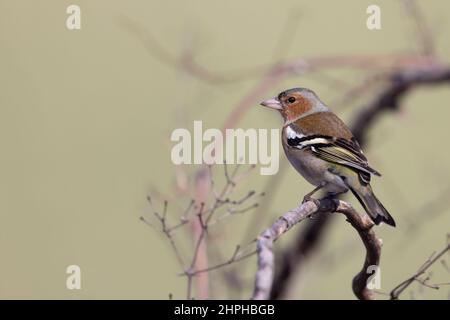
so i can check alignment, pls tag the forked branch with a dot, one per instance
(397, 291)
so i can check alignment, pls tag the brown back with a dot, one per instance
(324, 123)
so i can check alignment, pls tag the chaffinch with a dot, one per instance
(323, 150)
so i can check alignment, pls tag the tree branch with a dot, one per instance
(397, 291)
(362, 223)
(400, 83)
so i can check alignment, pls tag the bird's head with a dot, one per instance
(295, 103)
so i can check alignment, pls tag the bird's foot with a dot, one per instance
(309, 198)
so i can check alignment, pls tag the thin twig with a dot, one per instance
(232, 260)
(424, 35)
(167, 231)
(397, 291)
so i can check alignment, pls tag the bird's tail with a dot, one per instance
(372, 205)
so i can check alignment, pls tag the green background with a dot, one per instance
(86, 116)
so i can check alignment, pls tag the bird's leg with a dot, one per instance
(308, 197)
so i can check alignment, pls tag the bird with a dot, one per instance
(321, 147)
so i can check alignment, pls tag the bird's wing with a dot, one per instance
(336, 150)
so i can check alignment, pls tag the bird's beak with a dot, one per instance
(273, 103)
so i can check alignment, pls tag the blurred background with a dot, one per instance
(85, 123)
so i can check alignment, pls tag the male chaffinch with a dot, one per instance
(323, 150)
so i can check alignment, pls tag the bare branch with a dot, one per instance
(166, 230)
(424, 35)
(400, 84)
(362, 223)
(279, 69)
(397, 291)
(237, 256)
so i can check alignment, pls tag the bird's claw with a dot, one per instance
(309, 198)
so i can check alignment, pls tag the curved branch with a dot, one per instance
(362, 223)
(400, 83)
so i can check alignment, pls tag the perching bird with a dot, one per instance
(323, 150)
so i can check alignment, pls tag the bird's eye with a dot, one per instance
(291, 100)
